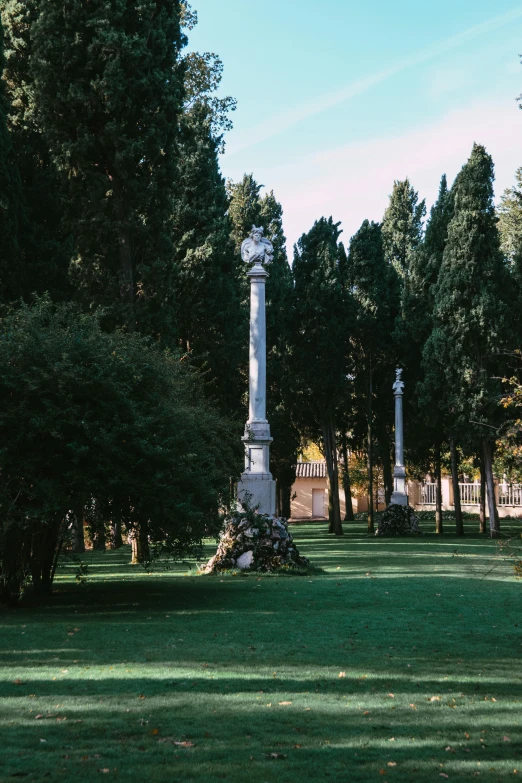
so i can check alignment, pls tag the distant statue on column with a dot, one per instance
(399, 496)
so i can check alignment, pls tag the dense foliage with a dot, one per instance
(88, 417)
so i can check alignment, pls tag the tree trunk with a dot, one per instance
(439, 527)
(387, 472)
(126, 260)
(456, 488)
(140, 545)
(286, 501)
(371, 526)
(330, 450)
(78, 535)
(117, 540)
(494, 525)
(482, 494)
(349, 515)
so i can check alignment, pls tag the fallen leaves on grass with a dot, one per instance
(392, 763)
(505, 738)
(434, 698)
(284, 703)
(184, 744)
(413, 706)
(342, 674)
(390, 695)
(276, 756)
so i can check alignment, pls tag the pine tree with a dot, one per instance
(321, 329)
(108, 87)
(10, 203)
(402, 226)
(471, 322)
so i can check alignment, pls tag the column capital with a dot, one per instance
(257, 271)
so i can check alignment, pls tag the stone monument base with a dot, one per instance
(258, 490)
(255, 542)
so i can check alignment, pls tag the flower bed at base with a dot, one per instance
(255, 542)
(398, 521)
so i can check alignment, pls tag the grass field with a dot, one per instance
(400, 661)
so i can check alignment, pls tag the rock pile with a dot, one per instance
(398, 521)
(255, 542)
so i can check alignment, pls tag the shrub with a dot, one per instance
(111, 419)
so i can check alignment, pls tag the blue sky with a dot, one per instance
(337, 99)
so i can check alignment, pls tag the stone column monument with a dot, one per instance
(399, 495)
(257, 486)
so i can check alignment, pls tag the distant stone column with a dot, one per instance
(257, 485)
(399, 495)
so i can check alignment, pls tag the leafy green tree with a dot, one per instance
(402, 226)
(108, 85)
(471, 320)
(102, 423)
(321, 328)
(10, 203)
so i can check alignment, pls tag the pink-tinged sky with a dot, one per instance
(334, 107)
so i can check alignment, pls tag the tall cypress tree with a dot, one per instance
(424, 418)
(471, 323)
(109, 87)
(10, 203)
(210, 319)
(320, 331)
(374, 287)
(43, 238)
(402, 226)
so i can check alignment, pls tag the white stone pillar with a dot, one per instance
(257, 485)
(399, 495)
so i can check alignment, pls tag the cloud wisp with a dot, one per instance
(296, 114)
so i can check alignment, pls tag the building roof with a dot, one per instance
(311, 470)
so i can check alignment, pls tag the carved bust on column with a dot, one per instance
(256, 249)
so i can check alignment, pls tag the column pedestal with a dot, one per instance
(257, 486)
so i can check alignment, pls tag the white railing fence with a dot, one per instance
(510, 494)
(427, 494)
(470, 494)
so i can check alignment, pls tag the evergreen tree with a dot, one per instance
(244, 207)
(10, 203)
(211, 322)
(402, 226)
(471, 322)
(374, 286)
(510, 220)
(43, 239)
(320, 332)
(424, 419)
(108, 87)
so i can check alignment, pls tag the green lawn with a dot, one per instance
(401, 661)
